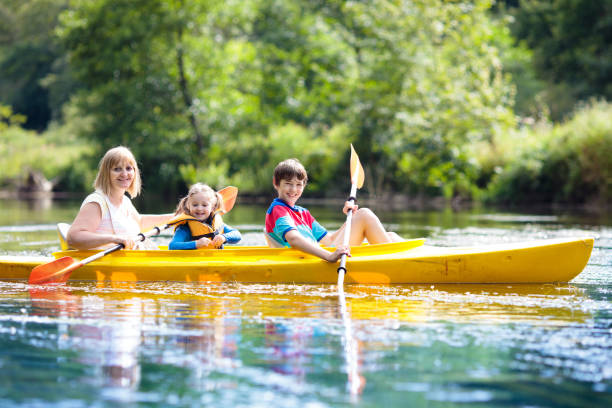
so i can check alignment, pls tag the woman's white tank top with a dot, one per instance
(119, 220)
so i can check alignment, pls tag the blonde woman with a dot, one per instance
(107, 216)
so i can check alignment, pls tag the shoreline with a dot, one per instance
(38, 195)
(388, 202)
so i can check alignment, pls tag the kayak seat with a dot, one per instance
(272, 243)
(62, 232)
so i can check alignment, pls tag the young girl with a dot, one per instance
(203, 226)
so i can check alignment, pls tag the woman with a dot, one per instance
(107, 216)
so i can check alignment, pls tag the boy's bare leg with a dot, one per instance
(395, 237)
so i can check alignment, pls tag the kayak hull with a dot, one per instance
(546, 261)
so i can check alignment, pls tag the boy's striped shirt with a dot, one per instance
(282, 218)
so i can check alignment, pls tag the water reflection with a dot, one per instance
(184, 344)
(280, 329)
(54, 301)
(41, 203)
(111, 341)
(355, 381)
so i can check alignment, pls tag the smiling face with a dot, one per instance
(290, 190)
(200, 205)
(118, 171)
(122, 175)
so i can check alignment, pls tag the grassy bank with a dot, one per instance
(566, 163)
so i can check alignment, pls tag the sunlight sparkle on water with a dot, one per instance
(187, 344)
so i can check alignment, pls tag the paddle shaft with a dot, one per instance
(347, 235)
(141, 237)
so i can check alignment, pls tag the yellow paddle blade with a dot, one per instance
(357, 176)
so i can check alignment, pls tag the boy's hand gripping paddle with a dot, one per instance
(357, 178)
(58, 271)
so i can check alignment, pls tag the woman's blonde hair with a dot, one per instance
(183, 206)
(112, 158)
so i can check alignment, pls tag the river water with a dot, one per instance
(185, 344)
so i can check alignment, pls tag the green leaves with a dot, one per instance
(564, 163)
(571, 47)
(221, 91)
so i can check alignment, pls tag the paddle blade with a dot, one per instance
(57, 271)
(357, 176)
(229, 195)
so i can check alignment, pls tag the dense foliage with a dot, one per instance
(222, 91)
(219, 92)
(566, 162)
(571, 48)
(35, 78)
(57, 156)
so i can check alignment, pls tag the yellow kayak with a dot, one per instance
(545, 261)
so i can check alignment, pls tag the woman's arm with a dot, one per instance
(148, 221)
(82, 235)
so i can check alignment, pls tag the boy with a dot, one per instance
(293, 226)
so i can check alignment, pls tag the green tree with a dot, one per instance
(221, 91)
(571, 42)
(566, 162)
(180, 82)
(129, 56)
(34, 79)
(429, 83)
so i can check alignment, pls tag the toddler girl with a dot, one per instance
(202, 226)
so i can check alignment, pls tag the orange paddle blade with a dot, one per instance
(357, 176)
(229, 195)
(56, 271)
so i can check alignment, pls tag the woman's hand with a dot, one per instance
(203, 242)
(349, 206)
(128, 243)
(337, 254)
(217, 241)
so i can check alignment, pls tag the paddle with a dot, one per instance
(357, 178)
(59, 271)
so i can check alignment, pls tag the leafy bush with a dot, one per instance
(316, 149)
(566, 163)
(56, 153)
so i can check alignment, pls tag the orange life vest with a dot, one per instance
(209, 228)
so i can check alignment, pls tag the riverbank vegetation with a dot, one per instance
(566, 162)
(477, 100)
(56, 159)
